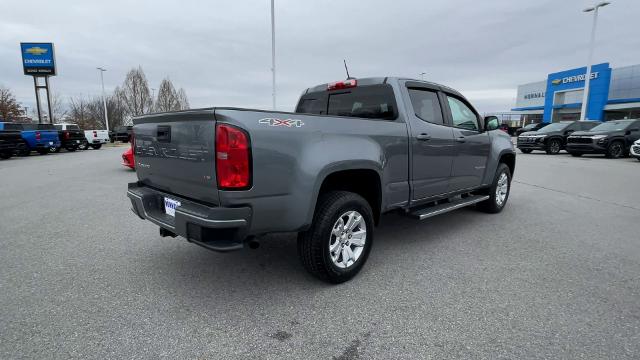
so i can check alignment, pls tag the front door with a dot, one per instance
(431, 142)
(472, 145)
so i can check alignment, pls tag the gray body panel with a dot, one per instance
(290, 163)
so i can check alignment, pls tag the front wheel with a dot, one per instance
(615, 150)
(499, 191)
(338, 243)
(96, 146)
(554, 146)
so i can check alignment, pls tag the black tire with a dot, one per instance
(576, 154)
(25, 151)
(615, 150)
(84, 146)
(491, 205)
(6, 155)
(526, 151)
(313, 244)
(96, 146)
(554, 146)
(54, 149)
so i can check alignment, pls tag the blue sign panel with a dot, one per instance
(573, 80)
(38, 59)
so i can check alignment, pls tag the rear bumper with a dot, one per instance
(215, 228)
(72, 142)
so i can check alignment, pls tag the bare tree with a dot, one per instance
(58, 107)
(134, 94)
(9, 108)
(183, 100)
(167, 99)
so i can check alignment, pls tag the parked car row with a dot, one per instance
(614, 139)
(22, 139)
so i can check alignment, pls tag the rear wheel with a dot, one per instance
(96, 146)
(576, 154)
(24, 151)
(615, 150)
(54, 149)
(526, 151)
(84, 146)
(554, 146)
(338, 243)
(499, 191)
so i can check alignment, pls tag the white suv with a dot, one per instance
(635, 150)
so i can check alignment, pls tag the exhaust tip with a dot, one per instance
(254, 244)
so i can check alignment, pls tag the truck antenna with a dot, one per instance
(347, 69)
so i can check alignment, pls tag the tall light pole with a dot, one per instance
(587, 76)
(104, 99)
(422, 74)
(273, 54)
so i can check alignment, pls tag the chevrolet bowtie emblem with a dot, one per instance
(36, 50)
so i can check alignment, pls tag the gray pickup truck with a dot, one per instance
(353, 150)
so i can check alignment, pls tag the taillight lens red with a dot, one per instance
(66, 135)
(351, 83)
(38, 136)
(95, 133)
(233, 157)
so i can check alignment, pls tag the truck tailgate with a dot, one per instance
(175, 153)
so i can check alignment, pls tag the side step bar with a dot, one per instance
(430, 211)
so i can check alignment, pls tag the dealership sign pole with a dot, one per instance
(587, 77)
(38, 60)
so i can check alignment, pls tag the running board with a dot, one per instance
(430, 211)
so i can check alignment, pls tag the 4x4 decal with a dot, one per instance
(281, 122)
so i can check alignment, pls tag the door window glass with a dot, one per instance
(461, 115)
(426, 105)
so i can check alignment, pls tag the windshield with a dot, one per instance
(553, 127)
(612, 126)
(529, 127)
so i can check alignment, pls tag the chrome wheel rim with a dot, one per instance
(502, 189)
(555, 147)
(347, 239)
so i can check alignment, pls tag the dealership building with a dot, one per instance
(613, 94)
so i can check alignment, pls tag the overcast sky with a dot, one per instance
(220, 51)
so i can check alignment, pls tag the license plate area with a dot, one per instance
(170, 206)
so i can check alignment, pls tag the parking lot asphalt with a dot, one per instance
(555, 275)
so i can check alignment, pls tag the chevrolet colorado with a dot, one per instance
(351, 151)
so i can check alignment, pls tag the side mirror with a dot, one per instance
(491, 123)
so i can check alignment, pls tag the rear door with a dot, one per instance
(431, 141)
(472, 143)
(175, 153)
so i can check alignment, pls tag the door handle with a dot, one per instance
(423, 137)
(460, 139)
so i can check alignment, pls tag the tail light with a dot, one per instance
(66, 135)
(233, 158)
(350, 83)
(38, 136)
(95, 133)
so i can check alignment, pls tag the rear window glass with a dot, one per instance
(73, 127)
(46, 127)
(30, 126)
(8, 126)
(426, 105)
(59, 127)
(371, 102)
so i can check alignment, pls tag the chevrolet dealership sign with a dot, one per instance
(38, 59)
(574, 78)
